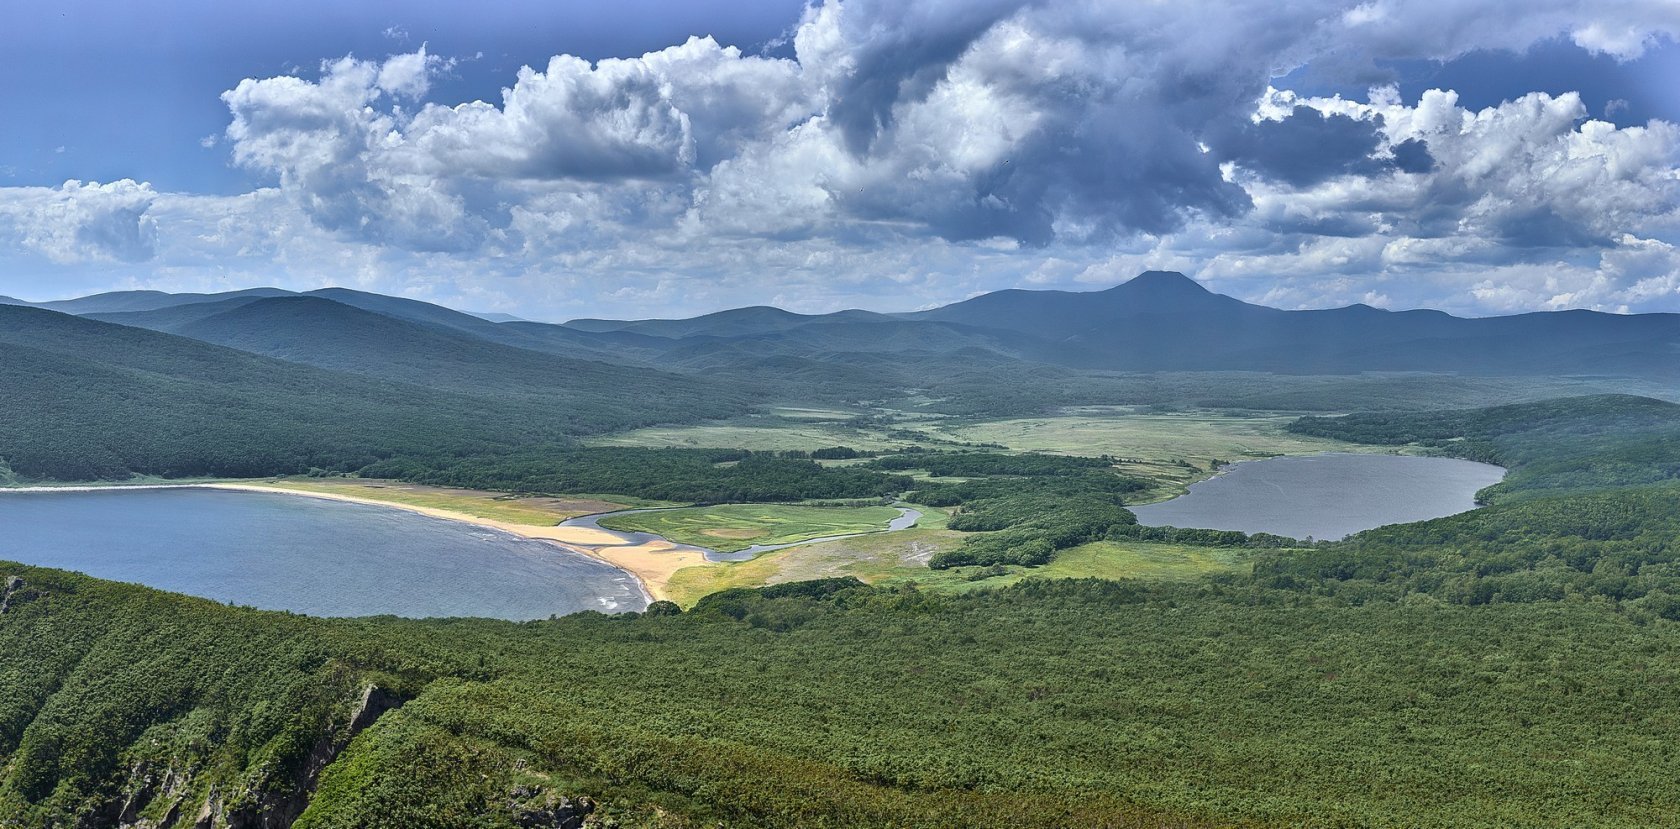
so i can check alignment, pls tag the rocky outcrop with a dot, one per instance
(269, 802)
(534, 807)
(13, 591)
(147, 785)
(277, 807)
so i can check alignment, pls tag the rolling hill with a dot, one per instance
(86, 400)
(1164, 321)
(118, 301)
(721, 362)
(82, 399)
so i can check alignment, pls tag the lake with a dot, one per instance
(1326, 496)
(308, 555)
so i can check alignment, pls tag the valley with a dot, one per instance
(840, 414)
(1026, 586)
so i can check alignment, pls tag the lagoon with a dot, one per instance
(1328, 496)
(307, 555)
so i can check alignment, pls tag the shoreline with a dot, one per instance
(652, 565)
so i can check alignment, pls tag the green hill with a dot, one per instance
(86, 400)
(594, 395)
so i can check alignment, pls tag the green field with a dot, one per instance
(784, 430)
(1173, 450)
(731, 527)
(873, 558)
(901, 557)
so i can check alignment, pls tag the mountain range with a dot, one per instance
(1159, 321)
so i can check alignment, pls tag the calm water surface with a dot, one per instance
(1326, 496)
(309, 555)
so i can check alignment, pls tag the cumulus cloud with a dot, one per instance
(81, 221)
(946, 146)
(1533, 172)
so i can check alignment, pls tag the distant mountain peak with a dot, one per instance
(1162, 283)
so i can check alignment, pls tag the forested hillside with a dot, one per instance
(85, 400)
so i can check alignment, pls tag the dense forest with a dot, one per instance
(86, 400)
(1265, 700)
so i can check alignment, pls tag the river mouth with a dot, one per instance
(307, 555)
(1325, 497)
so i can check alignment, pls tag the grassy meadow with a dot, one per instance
(901, 558)
(1171, 450)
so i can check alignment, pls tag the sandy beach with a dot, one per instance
(652, 564)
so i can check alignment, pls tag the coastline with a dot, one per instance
(651, 564)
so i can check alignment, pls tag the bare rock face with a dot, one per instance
(148, 784)
(13, 589)
(535, 808)
(280, 810)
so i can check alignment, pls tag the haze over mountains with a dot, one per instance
(1159, 321)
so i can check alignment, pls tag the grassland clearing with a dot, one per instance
(1172, 450)
(901, 557)
(733, 527)
(758, 434)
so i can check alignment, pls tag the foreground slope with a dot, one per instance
(1048, 704)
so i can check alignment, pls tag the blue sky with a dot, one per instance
(128, 90)
(661, 158)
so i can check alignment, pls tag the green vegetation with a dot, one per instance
(1045, 704)
(1575, 444)
(1026, 520)
(1508, 666)
(736, 527)
(985, 464)
(88, 401)
(685, 475)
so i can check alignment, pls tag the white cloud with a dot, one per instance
(936, 148)
(81, 221)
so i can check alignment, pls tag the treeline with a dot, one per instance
(1198, 537)
(984, 464)
(687, 475)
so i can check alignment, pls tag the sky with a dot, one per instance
(647, 158)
